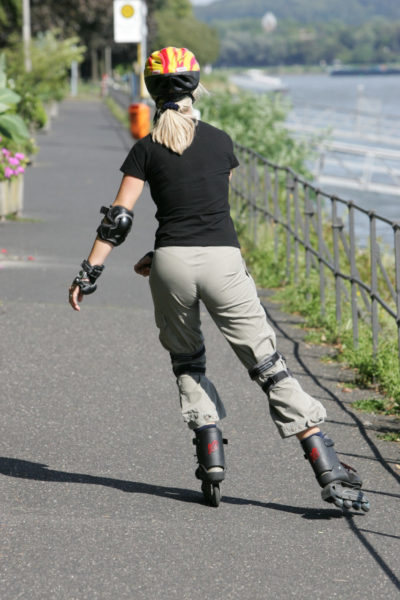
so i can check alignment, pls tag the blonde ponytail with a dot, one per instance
(175, 129)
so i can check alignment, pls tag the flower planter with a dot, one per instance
(11, 197)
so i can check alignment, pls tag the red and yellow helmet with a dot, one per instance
(171, 73)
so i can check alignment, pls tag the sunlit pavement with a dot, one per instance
(98, 495)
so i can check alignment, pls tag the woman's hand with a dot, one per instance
(75, 296)
(143, 266)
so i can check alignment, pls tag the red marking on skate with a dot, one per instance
(314, 455)
(213, 447)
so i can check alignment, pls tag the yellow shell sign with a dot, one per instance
(127, 11)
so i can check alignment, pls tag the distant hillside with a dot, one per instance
(352, 12)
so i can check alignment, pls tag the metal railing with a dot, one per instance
(354, 251)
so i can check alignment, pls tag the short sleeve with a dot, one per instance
(135, 162)
(233, 161)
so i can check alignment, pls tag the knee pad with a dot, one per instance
(189, 363)
(116, 224)
(265, 365)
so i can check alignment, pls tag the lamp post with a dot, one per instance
(26, 34)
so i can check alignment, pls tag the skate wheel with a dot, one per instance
(347, 503)
(356, 505)
(365, 506)
(338, 502)
(216, 495)
(212, 493)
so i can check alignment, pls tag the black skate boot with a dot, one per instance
(341, 483)
(211, 458)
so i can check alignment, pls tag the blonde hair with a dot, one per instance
(175, 129)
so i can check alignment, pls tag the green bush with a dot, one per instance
(12, 126)
(256, 121)
(51, 58)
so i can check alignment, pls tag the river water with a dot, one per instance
(378, 96)
(344, 92)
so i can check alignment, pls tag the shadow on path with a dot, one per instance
(24, 469)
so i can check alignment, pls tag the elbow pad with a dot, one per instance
(116, 224)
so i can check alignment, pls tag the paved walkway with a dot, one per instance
(98, 498)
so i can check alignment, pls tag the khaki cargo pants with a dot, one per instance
(181, 277)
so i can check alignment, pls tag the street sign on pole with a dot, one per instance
(128, 21)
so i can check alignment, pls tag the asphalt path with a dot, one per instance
(98, 497)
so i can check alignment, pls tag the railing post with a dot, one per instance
(397, 269)
(250, 195)
(336, 259)
(296, 228)
(276, 211)
(289, 186)
(308, 213)
(267, 192)
(255, 198)
(353, 275)
(374, 282)
(248, 187)
(320, 234)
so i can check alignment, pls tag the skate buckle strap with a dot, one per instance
(265, 365)
(224, 441)
(189, 357)
(273, 380)
(188, 368)
(348, 467)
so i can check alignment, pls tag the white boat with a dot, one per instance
(256, 79)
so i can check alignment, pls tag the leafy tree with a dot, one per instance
(90, 20)
(175, 25)
(51, 59)
(355, 12)
(180, 8)
(187, 33)
(372, 42)
(10, 19)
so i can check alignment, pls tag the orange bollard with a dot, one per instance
(139, 116)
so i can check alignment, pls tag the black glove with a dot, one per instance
(86, 279)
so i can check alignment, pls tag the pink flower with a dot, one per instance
(19, 170)
(19, 155)
(8, 172)
(13, 161)
(6, 152)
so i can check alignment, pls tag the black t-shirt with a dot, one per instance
(191, 190)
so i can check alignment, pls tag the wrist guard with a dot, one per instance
(86, 279)
(116, 224)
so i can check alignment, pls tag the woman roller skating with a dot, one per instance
(196, 257)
